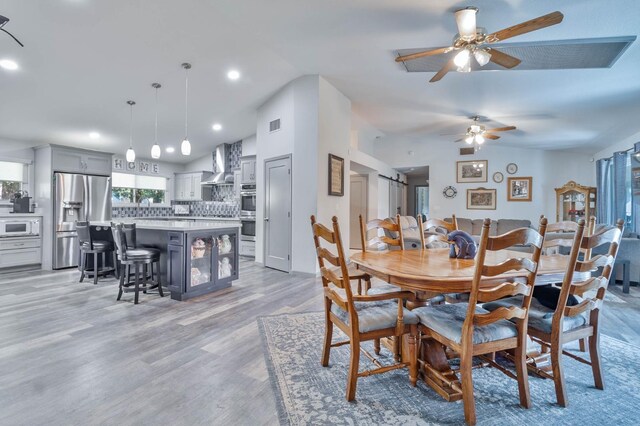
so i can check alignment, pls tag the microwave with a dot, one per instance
(19, 227)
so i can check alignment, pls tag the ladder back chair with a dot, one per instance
(436, 224)
(554, 328)
(360, 317)
(470, 330)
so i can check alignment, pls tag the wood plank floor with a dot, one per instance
(71, 354)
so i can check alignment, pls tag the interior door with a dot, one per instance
(277, 214)
(357, 207)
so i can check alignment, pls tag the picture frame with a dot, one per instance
(336, 175)
(519, 188)
(481, 199)
(472, 171)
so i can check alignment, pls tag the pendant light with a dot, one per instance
(185, 147)
(155, 149)
(131, 154)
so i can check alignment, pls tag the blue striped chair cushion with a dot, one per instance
(540, 316)
(375, 315)
(447, 321)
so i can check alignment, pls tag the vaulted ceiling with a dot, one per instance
(83, 59)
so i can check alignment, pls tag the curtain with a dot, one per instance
(604, 184)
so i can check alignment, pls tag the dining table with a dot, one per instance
(431, 272)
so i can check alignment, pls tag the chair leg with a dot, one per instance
(413, 355)
(137, 283)
(466, 364)
(328, 334)
(594, 353)
(367, 285)
(144, 278)
(83, 261)
(352, 378)
(95, 268)
(397, 355)
(583, 345)
(359, 286)
(120, 289)
(376, 346)
(116, 267)
(157, 278)
(523, 375)
(558, 375)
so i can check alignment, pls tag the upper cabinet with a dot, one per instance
(80, 161)
(248, 170)
(188, 187)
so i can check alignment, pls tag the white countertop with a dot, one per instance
(19, 215)
(174, 225)
(204, 218)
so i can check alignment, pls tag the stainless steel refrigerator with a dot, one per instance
(76, 198)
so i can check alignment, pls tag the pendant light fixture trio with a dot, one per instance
(185, 147)
(131, 154)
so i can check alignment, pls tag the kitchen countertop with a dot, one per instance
(205, 218)
(175, 225)
(16, 215)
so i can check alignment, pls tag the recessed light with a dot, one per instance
(233, 75)
(94, 135)
(8, 64)
(217, 127)
(170, 149)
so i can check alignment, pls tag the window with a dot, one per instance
(145, 190)
(11, 178)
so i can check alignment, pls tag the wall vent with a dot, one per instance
(467, 151)
(274, 125)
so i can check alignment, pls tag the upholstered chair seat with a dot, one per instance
(447, 320)
(376, 315)
(540, 317)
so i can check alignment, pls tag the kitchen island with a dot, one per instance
(196, 258)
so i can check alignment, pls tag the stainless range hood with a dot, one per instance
(221, 170)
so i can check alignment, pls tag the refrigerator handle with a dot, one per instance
(86, 198)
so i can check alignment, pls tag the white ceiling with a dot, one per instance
(84, 58)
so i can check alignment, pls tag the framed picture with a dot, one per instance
(471, 171)
(336, 175)
(481, 199)
(519, 189)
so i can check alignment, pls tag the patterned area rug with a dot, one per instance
(309, 394)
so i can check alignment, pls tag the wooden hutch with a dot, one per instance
(575, 201)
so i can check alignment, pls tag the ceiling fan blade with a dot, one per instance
(502, 129)
(459, 140)
(423, 54)
(443, 71)
(552, 18)
(503, 59)
(466, 21)
(490, 136)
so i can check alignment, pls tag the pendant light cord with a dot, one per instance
(186, 101)
(156, 136)
(131, 127)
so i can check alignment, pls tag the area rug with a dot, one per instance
(309, 394)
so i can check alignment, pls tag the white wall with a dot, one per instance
(549, 169)
(204, 163)
(618, 146)
(249, 145)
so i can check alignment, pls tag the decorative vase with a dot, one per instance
(224, 268)
(225, 244)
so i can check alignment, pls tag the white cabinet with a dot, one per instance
(20, 252)
(248, 170)
(188, 186)
(78, 161)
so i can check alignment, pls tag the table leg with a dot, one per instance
(436, 372)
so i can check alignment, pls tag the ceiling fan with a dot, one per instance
(472, 40)
(477, 133)
(3, 21)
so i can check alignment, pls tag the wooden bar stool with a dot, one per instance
(140, 259)
(91, 247)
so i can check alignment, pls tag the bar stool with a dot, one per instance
(139, 258)
(90, 247)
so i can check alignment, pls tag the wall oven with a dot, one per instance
(248, 201)
(19, 227)
(248, 229)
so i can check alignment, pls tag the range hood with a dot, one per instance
(221, 170)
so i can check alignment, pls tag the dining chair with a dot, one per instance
(360, 317)
(89, 247)
(553, 328)
(437, 226)
(469, 330)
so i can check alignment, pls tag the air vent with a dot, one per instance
(274, 125)
(467, 151)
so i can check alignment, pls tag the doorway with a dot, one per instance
(357, 207)
(421, 200)
(277, 213)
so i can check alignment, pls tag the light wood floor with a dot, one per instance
(71, 354)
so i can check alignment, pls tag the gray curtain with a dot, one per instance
(614, 190)
(604, 183)
(621, 186)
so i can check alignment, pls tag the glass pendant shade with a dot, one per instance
(131, 155)
(479, 139)
(482, 56)
(462, 58)
(185, 147)
(155, 151)
(469, 140)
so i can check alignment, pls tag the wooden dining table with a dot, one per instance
(431, 272)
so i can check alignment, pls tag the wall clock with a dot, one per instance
(498, 177)
(449, 192)
(512, 168)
